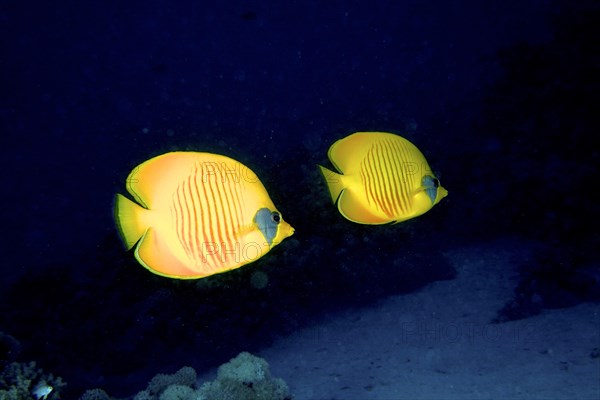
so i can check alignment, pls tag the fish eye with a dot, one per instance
(436, 182)
(275, 217)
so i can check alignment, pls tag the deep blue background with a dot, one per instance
(83, 81)
(498, 95)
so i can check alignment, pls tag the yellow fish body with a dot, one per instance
(384, 178)
(197, 214)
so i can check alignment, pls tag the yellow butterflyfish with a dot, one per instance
(197, 214)
(382, 178)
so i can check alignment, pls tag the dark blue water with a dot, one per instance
(498, 95)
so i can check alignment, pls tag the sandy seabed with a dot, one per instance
(441, 343)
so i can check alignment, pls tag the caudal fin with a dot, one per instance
(334, 182)
(129, 219)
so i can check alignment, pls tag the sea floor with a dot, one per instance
(440, 343)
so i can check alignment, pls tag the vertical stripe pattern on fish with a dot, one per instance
(383, 178)
(198, 214)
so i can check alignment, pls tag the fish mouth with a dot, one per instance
(290, 231)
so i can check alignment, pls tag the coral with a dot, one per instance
(245, 377)
(144, 395)
(244, 368)
(180, 392)
(18, 380)
(177, 386)
(95, 394)
(186, 376)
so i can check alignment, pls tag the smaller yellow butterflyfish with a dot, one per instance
(197, 214)
(382, 178)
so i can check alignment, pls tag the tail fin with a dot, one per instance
(130, 221)
(334, 182)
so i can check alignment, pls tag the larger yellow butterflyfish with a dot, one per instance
(382, 178)
(197, 214)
